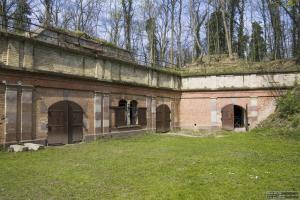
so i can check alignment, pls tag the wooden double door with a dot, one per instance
(163, 118)
(65, 123)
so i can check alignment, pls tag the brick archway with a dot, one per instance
(234, 116)
(65, 123)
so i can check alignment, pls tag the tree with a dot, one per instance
(179, 46)
(6, 7)
(277, 31)
(150, 28)
(292, 8)
(21, 16)
(197, 21)
(257, 43)
(127, 15)
(242, 39)
(216, 32)
(48, 12)
(163, 29)
(227, 31)
(172, 8)
(115, 18)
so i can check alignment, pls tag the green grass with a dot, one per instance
(237, 166)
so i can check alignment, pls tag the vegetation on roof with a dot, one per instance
(237, 67)
(84, 35)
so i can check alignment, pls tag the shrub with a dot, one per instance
(288, 105)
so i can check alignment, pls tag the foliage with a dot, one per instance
(258, 47)
(287, 114)
(21, 16)
(216, 30)
(288, 105)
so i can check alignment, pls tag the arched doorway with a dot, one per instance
(163, 118)
(65, 123)
(233, 116)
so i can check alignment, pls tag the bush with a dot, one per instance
(288, 105)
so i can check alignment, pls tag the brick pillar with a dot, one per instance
(105, 114)
(252, 112)
(26, 114)
(175, 119)
(153, 113)
(2, 114)
(11, 113)
(213, 112)
(128, 113)
(149, 112)
(98, 114)
(172, 125)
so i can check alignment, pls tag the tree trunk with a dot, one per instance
(48, 12)
(276, 25)
(127, 12)
(227, 32)
(241, 40)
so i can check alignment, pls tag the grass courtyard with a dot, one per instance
(236, 166)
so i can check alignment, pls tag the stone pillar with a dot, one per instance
(252, 112)
(2, 114)
(149, 113)
(26, 114)
(153, 113)
(213, 112)
(11, 113)
(175, 119)
(98, 114)
(105, 114)
(41, 118)
(128, 113)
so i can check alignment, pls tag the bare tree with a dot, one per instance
(197, 21)
(277, 30)
(115, 19)
(127, 14)
(6, 9)
(179, 33)
(227, 31)
(172, 8)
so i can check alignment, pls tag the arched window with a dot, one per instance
(123, 103)
(133, 112)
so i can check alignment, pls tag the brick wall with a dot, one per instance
(203, 110)
(23, 53)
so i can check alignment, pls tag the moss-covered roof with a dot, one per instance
(83, 35)
(238, 67)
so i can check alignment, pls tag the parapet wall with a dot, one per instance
(245, 81)
(39, 55)
(45, 52)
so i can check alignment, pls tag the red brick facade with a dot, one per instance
(95, 98)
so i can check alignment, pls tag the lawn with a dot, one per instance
(236, 166)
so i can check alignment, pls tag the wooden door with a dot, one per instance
(228, 117)
(58, 124)
(65, 123)
(120, 116)
(163, 119)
